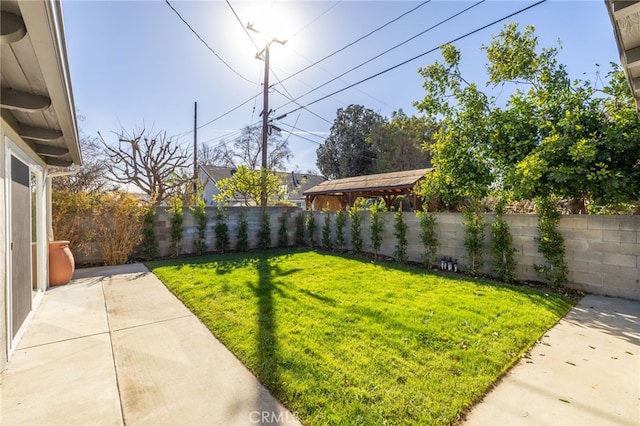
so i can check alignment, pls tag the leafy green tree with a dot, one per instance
(149, 241)
(341, 221)
(459, 151)
(400, 232)
(545, 140)
(550, 243)
(428, 236)
(310, 224)
(376, 227)
(300, 229)
(242, 239)
(176, 220)
(474, 232)
(616, 177)
(348, 151)
(403, 143)
(553, 135)
(356, 229)
(504, 264)
(245, 185)
(327, 244)
(264, 234)
(283, 236)
(200, 215)
(221, 230)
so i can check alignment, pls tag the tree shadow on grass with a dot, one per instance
(267, 342)
(266, 290)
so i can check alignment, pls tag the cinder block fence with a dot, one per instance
(602, 252)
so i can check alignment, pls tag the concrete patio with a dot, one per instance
(115, 347)
(584, 371)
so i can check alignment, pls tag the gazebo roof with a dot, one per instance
(372, 185)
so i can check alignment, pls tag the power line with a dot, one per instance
(257, 49)
(206, 44)
(243, 27)
(232, 133)
(333, 75)
(224, 139)
(417, 56)
(286, 140)
(306, 109)
(367, 157)
(316, 18)
(229, 112)
(179, 135)
(359, 39)
(294, 128)
(390, 49)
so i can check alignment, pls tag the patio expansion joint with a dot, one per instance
(70, 339)
(145, 324)
(113, 355)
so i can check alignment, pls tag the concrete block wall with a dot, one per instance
(162, 227)
(602, 252)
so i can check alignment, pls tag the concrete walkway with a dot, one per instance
(115, 347)
(584, 371)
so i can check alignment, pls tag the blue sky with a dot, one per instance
(135, 63)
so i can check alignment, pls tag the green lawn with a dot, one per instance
(348, 341)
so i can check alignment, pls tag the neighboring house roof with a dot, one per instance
(298, 183)
(381, 183)
(218, 173)
(625, 18)
(36, 96)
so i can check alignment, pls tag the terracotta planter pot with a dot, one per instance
(61, 263)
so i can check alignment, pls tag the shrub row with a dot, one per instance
(117, 214)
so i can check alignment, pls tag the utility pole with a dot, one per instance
(265, 128)
(195, 147)
(265, 114)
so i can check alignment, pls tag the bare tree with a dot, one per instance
(247, 150)
(92, 176)
(212, 156)
(150, 161)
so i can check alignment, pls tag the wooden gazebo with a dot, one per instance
(342, 193)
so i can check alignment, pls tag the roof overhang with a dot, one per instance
(388, 186)
(370, 185)
(37, 98)
(625, 18)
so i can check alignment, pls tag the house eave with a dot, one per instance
(625, 20)
(54, 124)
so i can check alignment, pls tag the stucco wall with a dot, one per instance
(4, 343)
